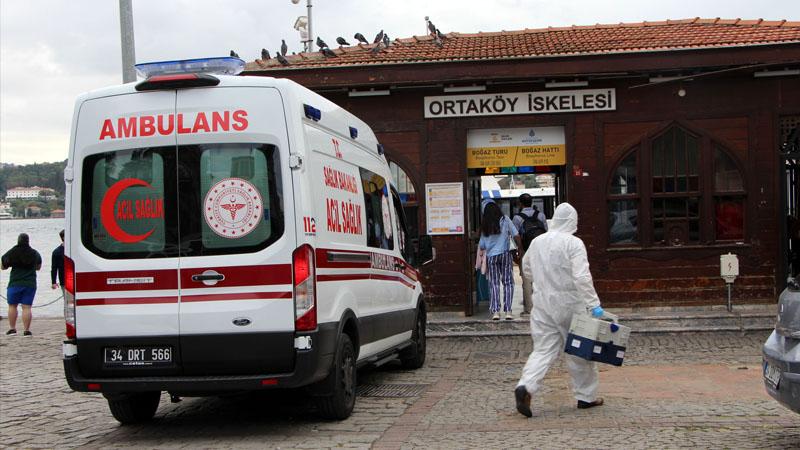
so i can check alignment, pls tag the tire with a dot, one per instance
(339, 402)
(134, 408)
(413, 357)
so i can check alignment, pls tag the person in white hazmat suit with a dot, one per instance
(556, 263)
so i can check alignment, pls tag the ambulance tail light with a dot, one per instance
(69, 297)
(305, 289)
(178, 81)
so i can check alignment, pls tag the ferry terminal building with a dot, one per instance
(676, 142)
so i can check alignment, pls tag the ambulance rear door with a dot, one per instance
(124, 235)
(237, 311)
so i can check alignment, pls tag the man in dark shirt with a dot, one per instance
(24, 262)
(57, 265)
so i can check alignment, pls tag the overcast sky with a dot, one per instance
(51, 51)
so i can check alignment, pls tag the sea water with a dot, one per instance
(44, 239)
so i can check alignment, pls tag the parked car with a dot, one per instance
(782, 351)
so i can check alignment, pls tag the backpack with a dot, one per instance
(529, 229)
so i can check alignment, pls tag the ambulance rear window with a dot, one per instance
(196, 200)
(125, 207)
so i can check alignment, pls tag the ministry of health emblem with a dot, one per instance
(232, 208)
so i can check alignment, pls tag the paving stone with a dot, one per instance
(678, 390)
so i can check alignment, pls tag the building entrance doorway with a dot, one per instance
(546, 186)
(790, 192)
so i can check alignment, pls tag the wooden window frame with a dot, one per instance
(707, 195)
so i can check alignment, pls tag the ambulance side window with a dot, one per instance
(376, 204)
(126, 205)
(402, 231)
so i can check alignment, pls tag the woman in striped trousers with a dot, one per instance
(496, 230)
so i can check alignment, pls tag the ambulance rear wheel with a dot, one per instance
(413, 356)
(339, 403)
(135, 407)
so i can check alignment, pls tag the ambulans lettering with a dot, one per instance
(339, 180)
(113, 210)
(344, 216)
(381, 261)
(166, 124)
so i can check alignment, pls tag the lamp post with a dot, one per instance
(126, 38)
(309, 42)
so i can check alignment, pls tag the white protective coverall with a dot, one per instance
(556, 262)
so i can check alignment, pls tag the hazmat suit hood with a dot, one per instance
(565, 219)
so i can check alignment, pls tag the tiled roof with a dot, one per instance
(548, 42)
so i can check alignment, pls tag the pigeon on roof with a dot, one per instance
(264, 54)
(375, 50)
(282, 59)
(234, 54)
(386, 40)
(438, 42)
(378, 37)
(327, 52)
(340, 40)
(321, 43)
(440, 35)
(360, 38)
(284, 47)
(431, 27)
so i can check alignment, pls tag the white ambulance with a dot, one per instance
(231, 233)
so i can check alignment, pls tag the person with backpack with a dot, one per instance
(496, 231)
(530, 223)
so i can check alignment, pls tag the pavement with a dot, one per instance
(675, 390)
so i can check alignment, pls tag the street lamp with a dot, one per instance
(307, 35)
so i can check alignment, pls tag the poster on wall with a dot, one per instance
(510, 147)
(444, 208)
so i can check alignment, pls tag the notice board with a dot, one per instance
(444, 208)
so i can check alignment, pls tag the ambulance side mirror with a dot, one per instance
(426, 254)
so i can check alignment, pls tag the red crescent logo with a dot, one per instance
(107, 211)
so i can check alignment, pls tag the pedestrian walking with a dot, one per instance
(57, 265)
(496, 232)
(529, 225)
(24, 262)
(562, 286)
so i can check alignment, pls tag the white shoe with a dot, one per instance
(496, 316)
(509, 316)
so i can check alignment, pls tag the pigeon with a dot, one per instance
(438, 42)
(282, 59)
(321, 43)
(284, 47)
(375, 50)
(234, 54)
(360, 38)
(431, 27)
(386, 40)
(378, 37)
(341, 41)
(327, 52)
(439, 34)
(264, 54)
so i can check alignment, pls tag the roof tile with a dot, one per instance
(694, 33)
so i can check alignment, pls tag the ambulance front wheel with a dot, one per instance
(134, 407)
(339, 402)
(413, 356)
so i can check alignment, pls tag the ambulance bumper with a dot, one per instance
(310, 365)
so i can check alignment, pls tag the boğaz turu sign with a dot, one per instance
(509, 103)
(509, 147)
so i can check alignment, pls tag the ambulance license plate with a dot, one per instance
(138, 356)
(772, 374)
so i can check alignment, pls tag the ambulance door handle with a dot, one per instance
(209, 277)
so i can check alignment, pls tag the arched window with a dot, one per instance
(667, 209)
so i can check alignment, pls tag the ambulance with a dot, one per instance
(229, 233)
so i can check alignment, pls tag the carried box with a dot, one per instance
(603, 340)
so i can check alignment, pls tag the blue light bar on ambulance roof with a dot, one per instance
(225, 65)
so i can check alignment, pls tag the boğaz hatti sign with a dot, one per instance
(509, 103)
